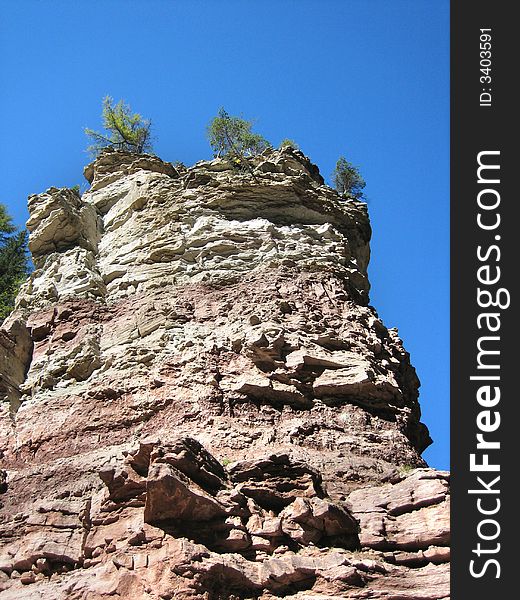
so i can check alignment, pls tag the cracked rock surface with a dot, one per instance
(199, 402)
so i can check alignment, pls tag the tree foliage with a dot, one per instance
(287, 143)
(231, 137)
(123, 130)
(348, 180)
(13, 261)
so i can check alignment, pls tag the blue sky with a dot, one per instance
(368, 79)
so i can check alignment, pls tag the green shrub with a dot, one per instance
(406, 469)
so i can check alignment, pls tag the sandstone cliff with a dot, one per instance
(200, 403)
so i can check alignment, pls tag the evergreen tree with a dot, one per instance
(231, 137)
(347, 179)
(287, 143)
(13, 261)
(124, 130)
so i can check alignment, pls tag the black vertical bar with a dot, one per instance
(483, 123)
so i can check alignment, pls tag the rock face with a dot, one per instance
(200, 403)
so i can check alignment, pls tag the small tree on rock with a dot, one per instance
(13, 262)
(124, 130)
(347, 179)
(287, 143)
(231, 137)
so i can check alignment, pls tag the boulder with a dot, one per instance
(171, 495)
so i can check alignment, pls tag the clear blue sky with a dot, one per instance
(368, 79)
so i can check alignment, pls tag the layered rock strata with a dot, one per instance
(200, 403)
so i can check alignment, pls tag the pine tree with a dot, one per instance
(231, 137)
(348, 180)
(13, 261)
(124, 130)
(287, 143)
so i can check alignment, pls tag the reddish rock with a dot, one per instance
(170, 495)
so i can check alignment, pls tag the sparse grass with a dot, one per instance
(406, 469)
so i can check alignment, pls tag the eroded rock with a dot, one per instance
(202, 404)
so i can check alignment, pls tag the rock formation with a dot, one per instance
(200, 403)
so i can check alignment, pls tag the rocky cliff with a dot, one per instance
(200, 403)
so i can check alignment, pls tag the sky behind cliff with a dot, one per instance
(368, 79)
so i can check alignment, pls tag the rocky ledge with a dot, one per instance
(200, 403)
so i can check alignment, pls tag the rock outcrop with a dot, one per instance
(200, 403)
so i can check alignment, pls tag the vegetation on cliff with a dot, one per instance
(287, 143)
(124, 130)
(13, 261)
(232, 137)
(347, 179)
